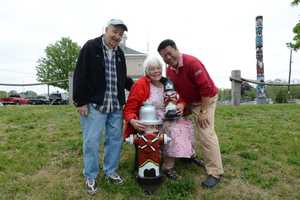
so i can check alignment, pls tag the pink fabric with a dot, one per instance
(156, 96)
(181, 131)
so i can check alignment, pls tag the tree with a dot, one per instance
(59, 61)
(245, 87)
(296, 40)
(29, 93)
(3, 94)
(281, 96)
(276, 93)
(12, 92)
(295, 2)
(224, 95)
(249, 94)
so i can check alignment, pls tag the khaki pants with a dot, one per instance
(209, 140)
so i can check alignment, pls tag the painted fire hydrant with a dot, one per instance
(148, 146)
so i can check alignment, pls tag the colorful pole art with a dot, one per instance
(260, 89)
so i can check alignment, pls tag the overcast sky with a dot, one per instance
(220, 33)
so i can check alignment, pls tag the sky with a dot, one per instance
(220, 33)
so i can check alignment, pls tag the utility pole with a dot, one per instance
(290, 67)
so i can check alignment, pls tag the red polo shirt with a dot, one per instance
(191, 79)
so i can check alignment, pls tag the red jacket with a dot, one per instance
(139, 93)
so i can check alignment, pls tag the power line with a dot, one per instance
(32, 84)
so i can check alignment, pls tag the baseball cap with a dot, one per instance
(117, 22)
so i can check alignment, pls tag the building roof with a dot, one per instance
(128, 50)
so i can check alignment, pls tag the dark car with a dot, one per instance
(58, 99)
(39, 100)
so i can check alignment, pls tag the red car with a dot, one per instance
(14, 100)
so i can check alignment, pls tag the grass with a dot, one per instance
(41, 157)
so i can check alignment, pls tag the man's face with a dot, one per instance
(113, 36)
(170, 55)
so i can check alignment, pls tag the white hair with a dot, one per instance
(151, 61)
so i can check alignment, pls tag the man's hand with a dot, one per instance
(83, 110)
(203, 115)
(179, 108)
(203, 120)
(137, 125)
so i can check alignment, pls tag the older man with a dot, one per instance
(100, 78)
(199, 92)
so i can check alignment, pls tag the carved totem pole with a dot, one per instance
(260, 89)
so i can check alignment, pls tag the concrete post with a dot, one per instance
(236, 87)
(71, 74)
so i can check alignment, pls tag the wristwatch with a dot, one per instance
(203, 111)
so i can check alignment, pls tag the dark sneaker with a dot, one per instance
(194, 160)
(210, 182)
(115, 178)
(198, 162)
(91, 186)
(170, 173)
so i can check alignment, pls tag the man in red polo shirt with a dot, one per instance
(200, 94)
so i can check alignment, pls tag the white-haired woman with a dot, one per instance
(151, 88)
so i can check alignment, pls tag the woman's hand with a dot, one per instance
(137, 125)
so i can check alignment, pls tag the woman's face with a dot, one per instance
(154, 72)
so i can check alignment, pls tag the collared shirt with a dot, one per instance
(191, 79)
(110, 102)
(180, 64)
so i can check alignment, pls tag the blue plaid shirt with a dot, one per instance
(110, 102)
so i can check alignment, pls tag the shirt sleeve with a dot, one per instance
(201, 78)
(80, 77)
(129, 83)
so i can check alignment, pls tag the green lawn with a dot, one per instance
(41, 157)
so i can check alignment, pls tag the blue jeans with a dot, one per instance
(92, 125)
